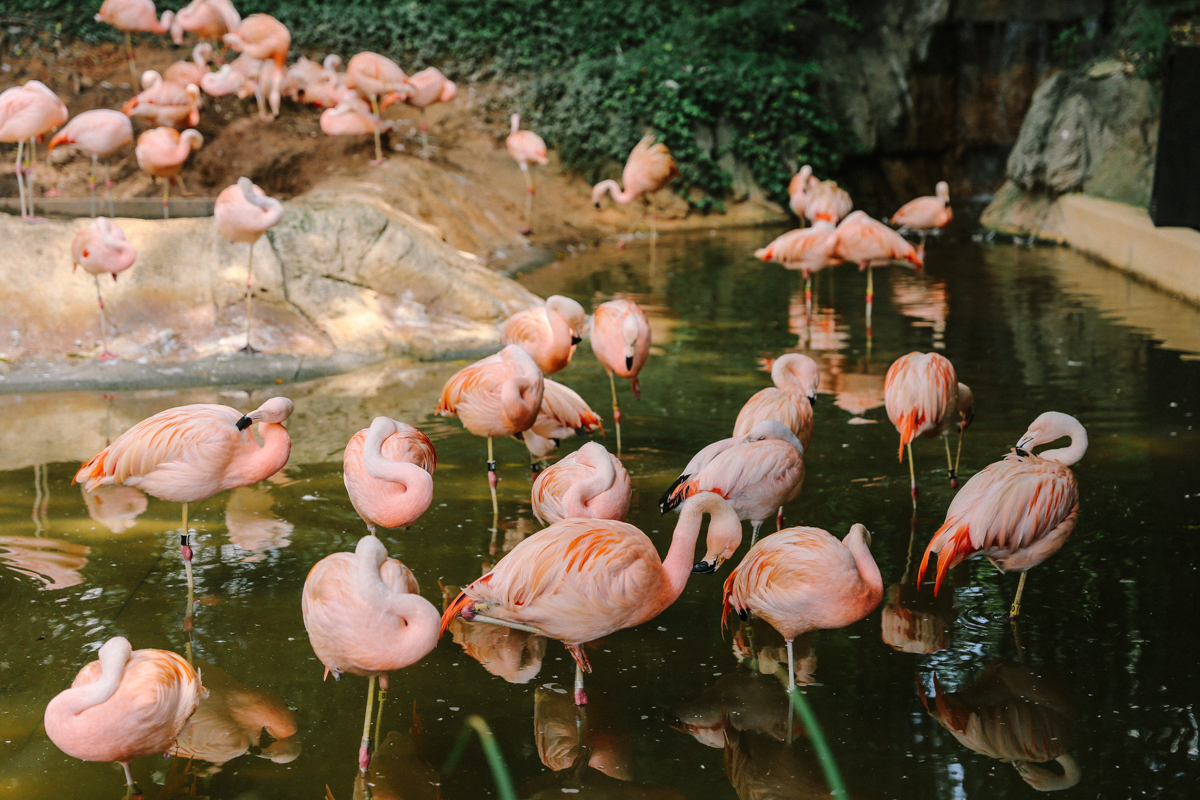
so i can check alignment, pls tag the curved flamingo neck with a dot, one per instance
(256, 463)
(77, 700)
(613, 188)
(416, 483)
(1073, 452)
(515, 123)
(677, 566)
(514, 390)
(868, 570)
(576, 498)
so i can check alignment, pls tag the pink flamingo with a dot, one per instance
(374, 76)
(805, 249)
(426, 87)
(101, 248)
(563, 414)
(224, 81)
(134, 16)
(388, 471)
(758, 473)
(590, 483)
(1018, 511)
(265, 38)
(242, 213)
(800, 189)
(365, 615)
(650, 167)
(100, 133)
(827, 201)
(869, 243)
(161, 152)
(496, 396)
(580, 580)
(207, 19)
(185, 72)
(621, 342)
(926, 213)
(526, 148)
(352, 117)
(922, 392)
(27, 112)
(548, 333)
(790, 400)
(127, 704)
(165, 103)
(188, 454)
(803, 579)
(318, 84)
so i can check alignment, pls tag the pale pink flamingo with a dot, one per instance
(134, 16)
(224, 81)
(790, 400)
(580, 580)
(373, 76)
(563, 414)
(388, 472)
(27, 112)
(590, 483)
(496, 396)
(165, 103)
(926, 213)
(426, 87)
(512, 655)
(318, 84)
(160, 154)
(101, 248)
(650, 167)
(805, 249)
(364, 615)
(100, 133)
(922, 392)
(621, 342)
(827, 201)
(800, 189)
(242, 213)
(803, 579)
(206, 19)
(265, 38)
(526, 148)
(352, 117)
(297, 77)
(1018, 511)
(188, 454)
(869, 243)
(127, 704)
(758, 474)
(548, 333)
(185, 72)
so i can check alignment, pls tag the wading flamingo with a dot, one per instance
(365, 615)
(790, 400)
(425, 88)
(526, 148)
(758, 473)
(373, 76)
(134, 16)
(265, 38)
(562, 415)
(161, 152)
(805, 249)
(206, 19)
(388, 471)
(1019, 511)
(827, 201)
(165, 103)
(548, 333)
(27, 112)
(800, 189)
(243, 213)
(803, 579)
(869, 243)
(127, 704)
(590, 483)
(185, 72)
(922, 392)
(496, 396)
(101, 248)
(100, 133)
(621, 341)
(188, 454)
(926, 213)
(650, 167)
(580, 580)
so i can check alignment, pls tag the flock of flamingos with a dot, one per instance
(588, 573)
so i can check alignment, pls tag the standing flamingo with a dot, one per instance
(134, 16)
(374, 76)
(243, 213)
(207, 19)
(27, 112)
(800, 189)
(388, 471)
(548, 333)
(926, 213)
(425, 88)
(803, 579)
(790, 400)
(580, 580)
(922, 392)
(161, 152)
(650, 167)
(621, 341)
(825, 200)
(1018, 511)
(758, 473)
(526, 148)
(127, 704)
(590, 483)
(102, 248)
(352, 117)
(265, 38)
(805, 249)
(562, 415)
(496, 396)
(100, 133)
(364, 615)
(870, 243)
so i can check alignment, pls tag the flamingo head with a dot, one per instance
(943, 192)
(724, 529)
(276, 410)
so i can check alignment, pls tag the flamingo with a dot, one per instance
(27, 112)
(805, 249)
(870, 243)
(243, 213)
(922, 392)
(621, 342)
(134, 16)
(926, 213)
(161, 152)
(352, 117)
(548, 333)
(496, 396)
(224, 81)
(100, 133)
(563, 414)
(127, 704)
(426, 87)
(374, 76)
(526, 148)
(365, 615)
(102, 248)
(265, 38)
(825, 200)
(189, 453)
(388, 471)
(757, 473)
(590, 483)
(165, 103)
(580, 579)
(800, 189)
(318, 84)
(790, 400)
(650, 167)
(207, 19)
(1018, 511)
(185, 72)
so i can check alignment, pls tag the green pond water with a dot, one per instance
(1100, 675)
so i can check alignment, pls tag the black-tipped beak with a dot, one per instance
(628, 362)
(743, 615)
(1022, 453)
(244, 422)
(597, 205)
(704, 568)
(812, 399)
(576, 339)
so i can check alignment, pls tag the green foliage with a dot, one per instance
(1145, 33)
(1073, 43)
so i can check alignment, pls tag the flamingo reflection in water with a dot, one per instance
(915, 621)
(53, 562)
(252, 526)
(516, 656)
(584, 783)
(743, 700)
(762, 648)
(399, 769)
(115, 507)
(924, 300)
(562, 732)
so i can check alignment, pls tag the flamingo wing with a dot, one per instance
(564, 412)
(748, 469)
(787, 571)
(793, 411)
(917, 390)
(649, 168)
(529, 328)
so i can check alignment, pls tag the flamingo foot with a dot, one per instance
(493, 479)
(32, 219)
(375, 162)
(914, 491)
(580, 697)
(621, 245)
(525, 231)
(953, 481)
(364, 758)
(186, 551)
(107, 355)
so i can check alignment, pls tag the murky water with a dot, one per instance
(1100, 675)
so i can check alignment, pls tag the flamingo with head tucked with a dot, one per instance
(800, 189)
(563, 414)
(548, 333)
(134, 16)
(926, 213)
(207, 19)
(388, 472)
(185, 72)
(590, 483)
(101, 248)
(100, 133)
(526, 148)
(650, 167)
(165, 103)
(243, 212)
(161, 152)
(265, 38)
(790, 400)
(825, 200)
(374, 76)
(621, 342)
